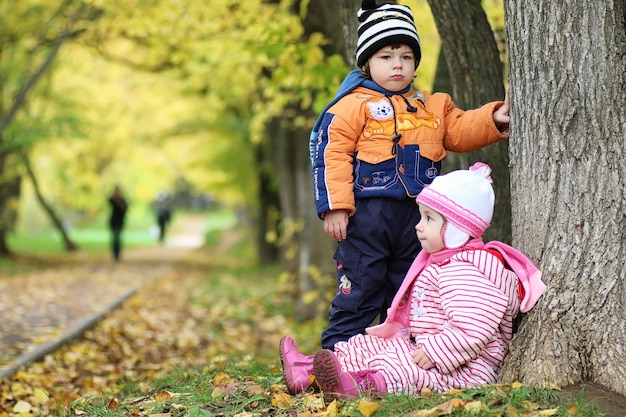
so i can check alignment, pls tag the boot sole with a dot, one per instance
(326, 373)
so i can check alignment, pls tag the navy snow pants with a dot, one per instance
(380, 247)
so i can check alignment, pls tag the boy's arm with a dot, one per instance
(470, 130)
(332, 155)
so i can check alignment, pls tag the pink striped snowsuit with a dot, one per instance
(461, 313)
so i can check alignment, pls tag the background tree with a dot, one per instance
(31, 35)
(476, 77)
(568, 186)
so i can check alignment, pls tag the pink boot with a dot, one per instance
(337, 383)
(296, 366)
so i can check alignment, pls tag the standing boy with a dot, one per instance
(373, 149)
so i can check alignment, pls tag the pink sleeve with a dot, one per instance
(474, 308)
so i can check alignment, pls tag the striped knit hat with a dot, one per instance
(385, 24)
(465, 199)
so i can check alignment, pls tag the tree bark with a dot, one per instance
(476, 76)
(266, 221)
(307, 251)
(10, 187)
(568, 145)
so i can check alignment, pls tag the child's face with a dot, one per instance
(429, 230)
(392, 67)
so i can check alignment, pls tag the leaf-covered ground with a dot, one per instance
(168, 324)
(199, 338)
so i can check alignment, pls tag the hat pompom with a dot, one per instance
(482, 170)
(368, 4)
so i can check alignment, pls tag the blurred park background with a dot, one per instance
(207, 104)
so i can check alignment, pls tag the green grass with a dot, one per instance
(195, 395)
(89, 240)
(95, 237)
(256, 385)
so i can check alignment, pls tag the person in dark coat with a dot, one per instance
(116, 222)
(164, 214)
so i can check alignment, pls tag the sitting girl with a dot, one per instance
(450, 324)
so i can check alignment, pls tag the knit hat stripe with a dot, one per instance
(385, 36)
(463, 218)
(386, 24)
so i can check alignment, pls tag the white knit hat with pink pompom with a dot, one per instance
(465, 198)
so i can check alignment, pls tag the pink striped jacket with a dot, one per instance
(459, 305)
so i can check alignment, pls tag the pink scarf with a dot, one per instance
(397, 322)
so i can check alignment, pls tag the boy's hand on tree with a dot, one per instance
(501, 115)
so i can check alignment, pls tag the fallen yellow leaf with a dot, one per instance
(281, 399)
(455, 391)
(517, 385)
(22, 407)
(40, 395)
(513, 411)
(163, 396)
(222, 379)
(426, 392)
(333, 409)
(433, 412)
(474, 407)
(18, 389)
(368, 408)
(449, 406)
(314, 402)
(218, 392)
(549, 412)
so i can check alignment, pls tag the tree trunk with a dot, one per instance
(476, 75)
(9, 191)
(568, 137)
(307, 250)
(70, 246)
(266, 221)
(349, 24)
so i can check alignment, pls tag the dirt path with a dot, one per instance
(43, 308)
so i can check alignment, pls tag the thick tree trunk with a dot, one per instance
(568, 146)
(476, 77)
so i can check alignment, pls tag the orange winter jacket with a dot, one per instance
(369, 144)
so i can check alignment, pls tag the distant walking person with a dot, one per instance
(164, 214)
(116, 223)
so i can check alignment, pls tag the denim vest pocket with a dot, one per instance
(415, 170)
(374, 177)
